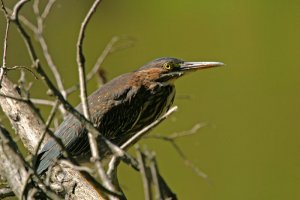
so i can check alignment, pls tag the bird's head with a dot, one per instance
(166, 70)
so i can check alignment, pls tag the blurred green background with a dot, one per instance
(251, 147)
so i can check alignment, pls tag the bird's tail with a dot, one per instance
(48, 155)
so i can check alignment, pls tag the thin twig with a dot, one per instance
(47, 55)
(101, 76)
(188, 162)
(123, 155)
(47, 9)
(82, 83)
(25, 100)
(6, 33)
(112, 173)
(102, 57)
(23, 67)
(155, 175)
(17, 8)
(162, 188)
(81, 60)
(145, 130)
(120, 154)
(44, 46)
(29, 101)
(192, 131)
(109, 48)
(42, 102)
(3, 67)
(112, 167)
(143, 171)
(83, 96)
(171, 138)
(25, 21)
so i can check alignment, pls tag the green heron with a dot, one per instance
(122, 107)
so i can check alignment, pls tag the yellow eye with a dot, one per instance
(168, 66)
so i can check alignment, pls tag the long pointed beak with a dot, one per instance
(193, 66)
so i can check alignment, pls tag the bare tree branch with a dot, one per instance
(139, 166)
(39, 34)
(47, 9)
(150, 175)
(43, 102)
(17, 171)
(3, 67)
(12, 164)
(100, 60)
(145, 130)
(24, 119)
(144, 174)
(171, 138)
(23, 67)
(120, 154)
(17, 8)
(163, 190)
(109, 49)
(154, 175)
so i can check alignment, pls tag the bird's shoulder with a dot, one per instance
(116, 89)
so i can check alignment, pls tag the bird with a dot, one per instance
(121, 107)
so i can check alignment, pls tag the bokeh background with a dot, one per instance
(251, 147)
